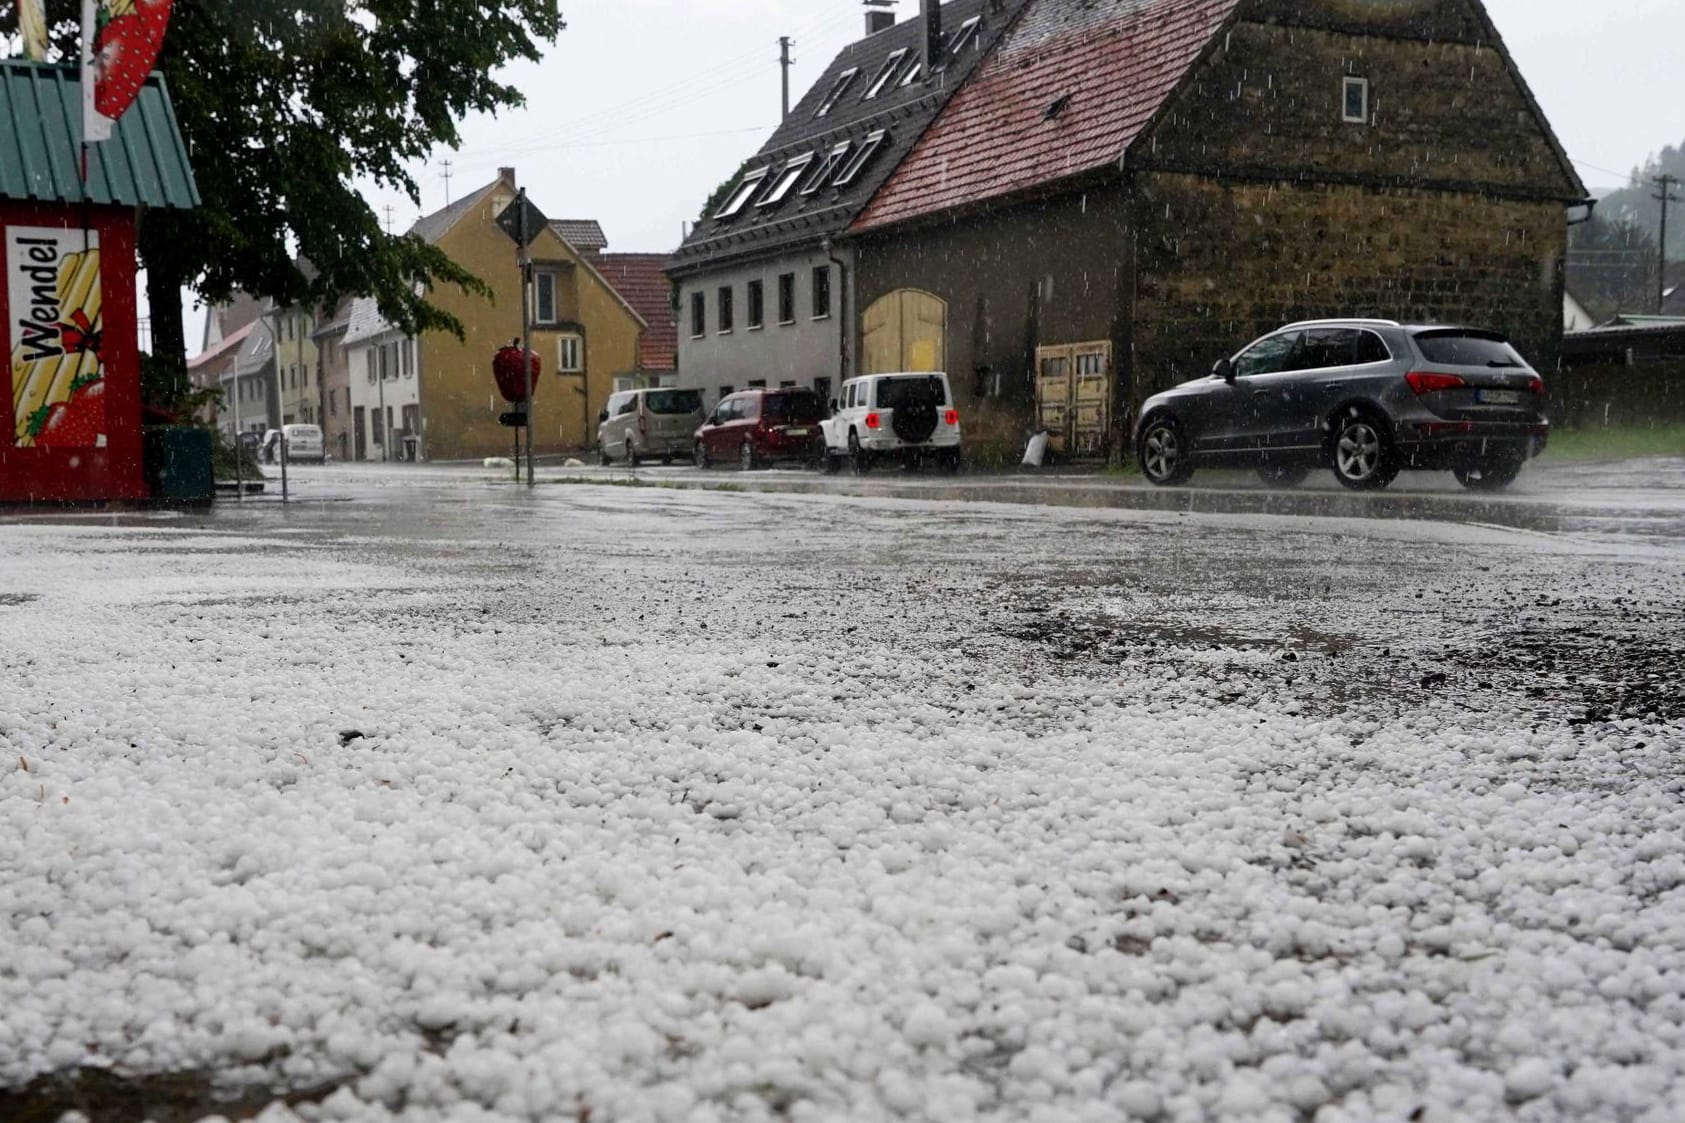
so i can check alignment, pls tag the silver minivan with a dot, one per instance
(645, 423)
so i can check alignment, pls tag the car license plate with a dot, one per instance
(796, 432)
(1498, 397)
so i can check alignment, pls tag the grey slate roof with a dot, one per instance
(903, 112)
(430, 228)
(144, 164)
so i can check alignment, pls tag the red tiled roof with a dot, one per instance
(639, 280)
(1118, 61)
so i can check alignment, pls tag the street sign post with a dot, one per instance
(524, 222)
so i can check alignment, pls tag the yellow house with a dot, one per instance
(584, 331)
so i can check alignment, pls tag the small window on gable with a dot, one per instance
(1355, 109)
(966, 37)
(739, 198)
(827, 167)
(886, 74)
(868, 149)
(786, 179)
(844, 81)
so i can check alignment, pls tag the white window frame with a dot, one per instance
(891, 66)
(745, 191)
(539, 315)
(828, 166)
(1347, 85)
(966, 36)
(787, 179)
(699, 300)
(570, 354)
(868, 148)
(915, 71)
(838, 89)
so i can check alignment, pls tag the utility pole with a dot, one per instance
(446, 176)
(1665, 196)
(784, 61)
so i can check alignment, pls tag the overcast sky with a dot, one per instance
(643, 106)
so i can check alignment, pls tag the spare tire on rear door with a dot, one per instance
(915, 412)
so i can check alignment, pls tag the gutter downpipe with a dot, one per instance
(825, 247)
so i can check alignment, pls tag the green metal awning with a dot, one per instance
(144, 164)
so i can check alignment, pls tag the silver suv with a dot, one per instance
(1367, 398)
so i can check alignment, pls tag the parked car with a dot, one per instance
(756, 427)
(651, 422)
(1366, 398)
(909, 417)
(304, 443)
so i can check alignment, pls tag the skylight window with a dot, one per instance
(745, 191)
(886, 74)
(786, 180)
(844, 81)
(868, 149)
(966, 36)
(915, 71)
(832, 161)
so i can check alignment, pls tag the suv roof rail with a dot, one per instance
(1344, 320)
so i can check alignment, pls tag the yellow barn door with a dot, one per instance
(905, 330)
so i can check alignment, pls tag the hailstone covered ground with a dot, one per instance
(633, 805)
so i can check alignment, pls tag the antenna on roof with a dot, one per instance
(446, 176)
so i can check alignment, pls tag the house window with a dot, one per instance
(698, 315)
(379, 431)
(727, 391)
(374, 363)
(1356, 101)
(786, 298)
(544, 297)
(868, 149)
(822, 292)
(838, 89)
(725, 310)
(757, 305)
(408, 349)
(570, 354)
(827, 167)
(787, 179)
(915, 71)
(886, 73)
(739, 198)
(966, 36)
(333, 403)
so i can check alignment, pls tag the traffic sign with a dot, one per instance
(511, 221)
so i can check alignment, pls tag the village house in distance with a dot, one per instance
(1119, 192)
(380, 394)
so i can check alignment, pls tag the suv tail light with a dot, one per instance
(952, 417)
(1424, 382)
(873, 421)
(1536, 385)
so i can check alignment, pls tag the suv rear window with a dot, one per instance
(674, 401)
(1466, 349)
(798, 406)
(893, 392)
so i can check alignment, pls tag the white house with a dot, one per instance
(386, 417)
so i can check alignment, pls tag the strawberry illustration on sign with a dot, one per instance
(121, 43)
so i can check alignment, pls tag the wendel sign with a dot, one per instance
(54, 282)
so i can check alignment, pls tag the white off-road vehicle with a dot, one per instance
(909, 417)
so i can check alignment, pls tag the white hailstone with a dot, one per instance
(1529, 1079)
(1139, 1098)
(928, 1025)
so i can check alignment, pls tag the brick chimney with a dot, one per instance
(878, 16)
(507, 175)
(932, 16)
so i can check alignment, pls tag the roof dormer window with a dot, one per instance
(786, 179)
(966, 37)
(868, 149)
(827, 167)
(739, 198)
(886, 74)
(843, 82)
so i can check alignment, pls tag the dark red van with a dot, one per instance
(755, 427)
